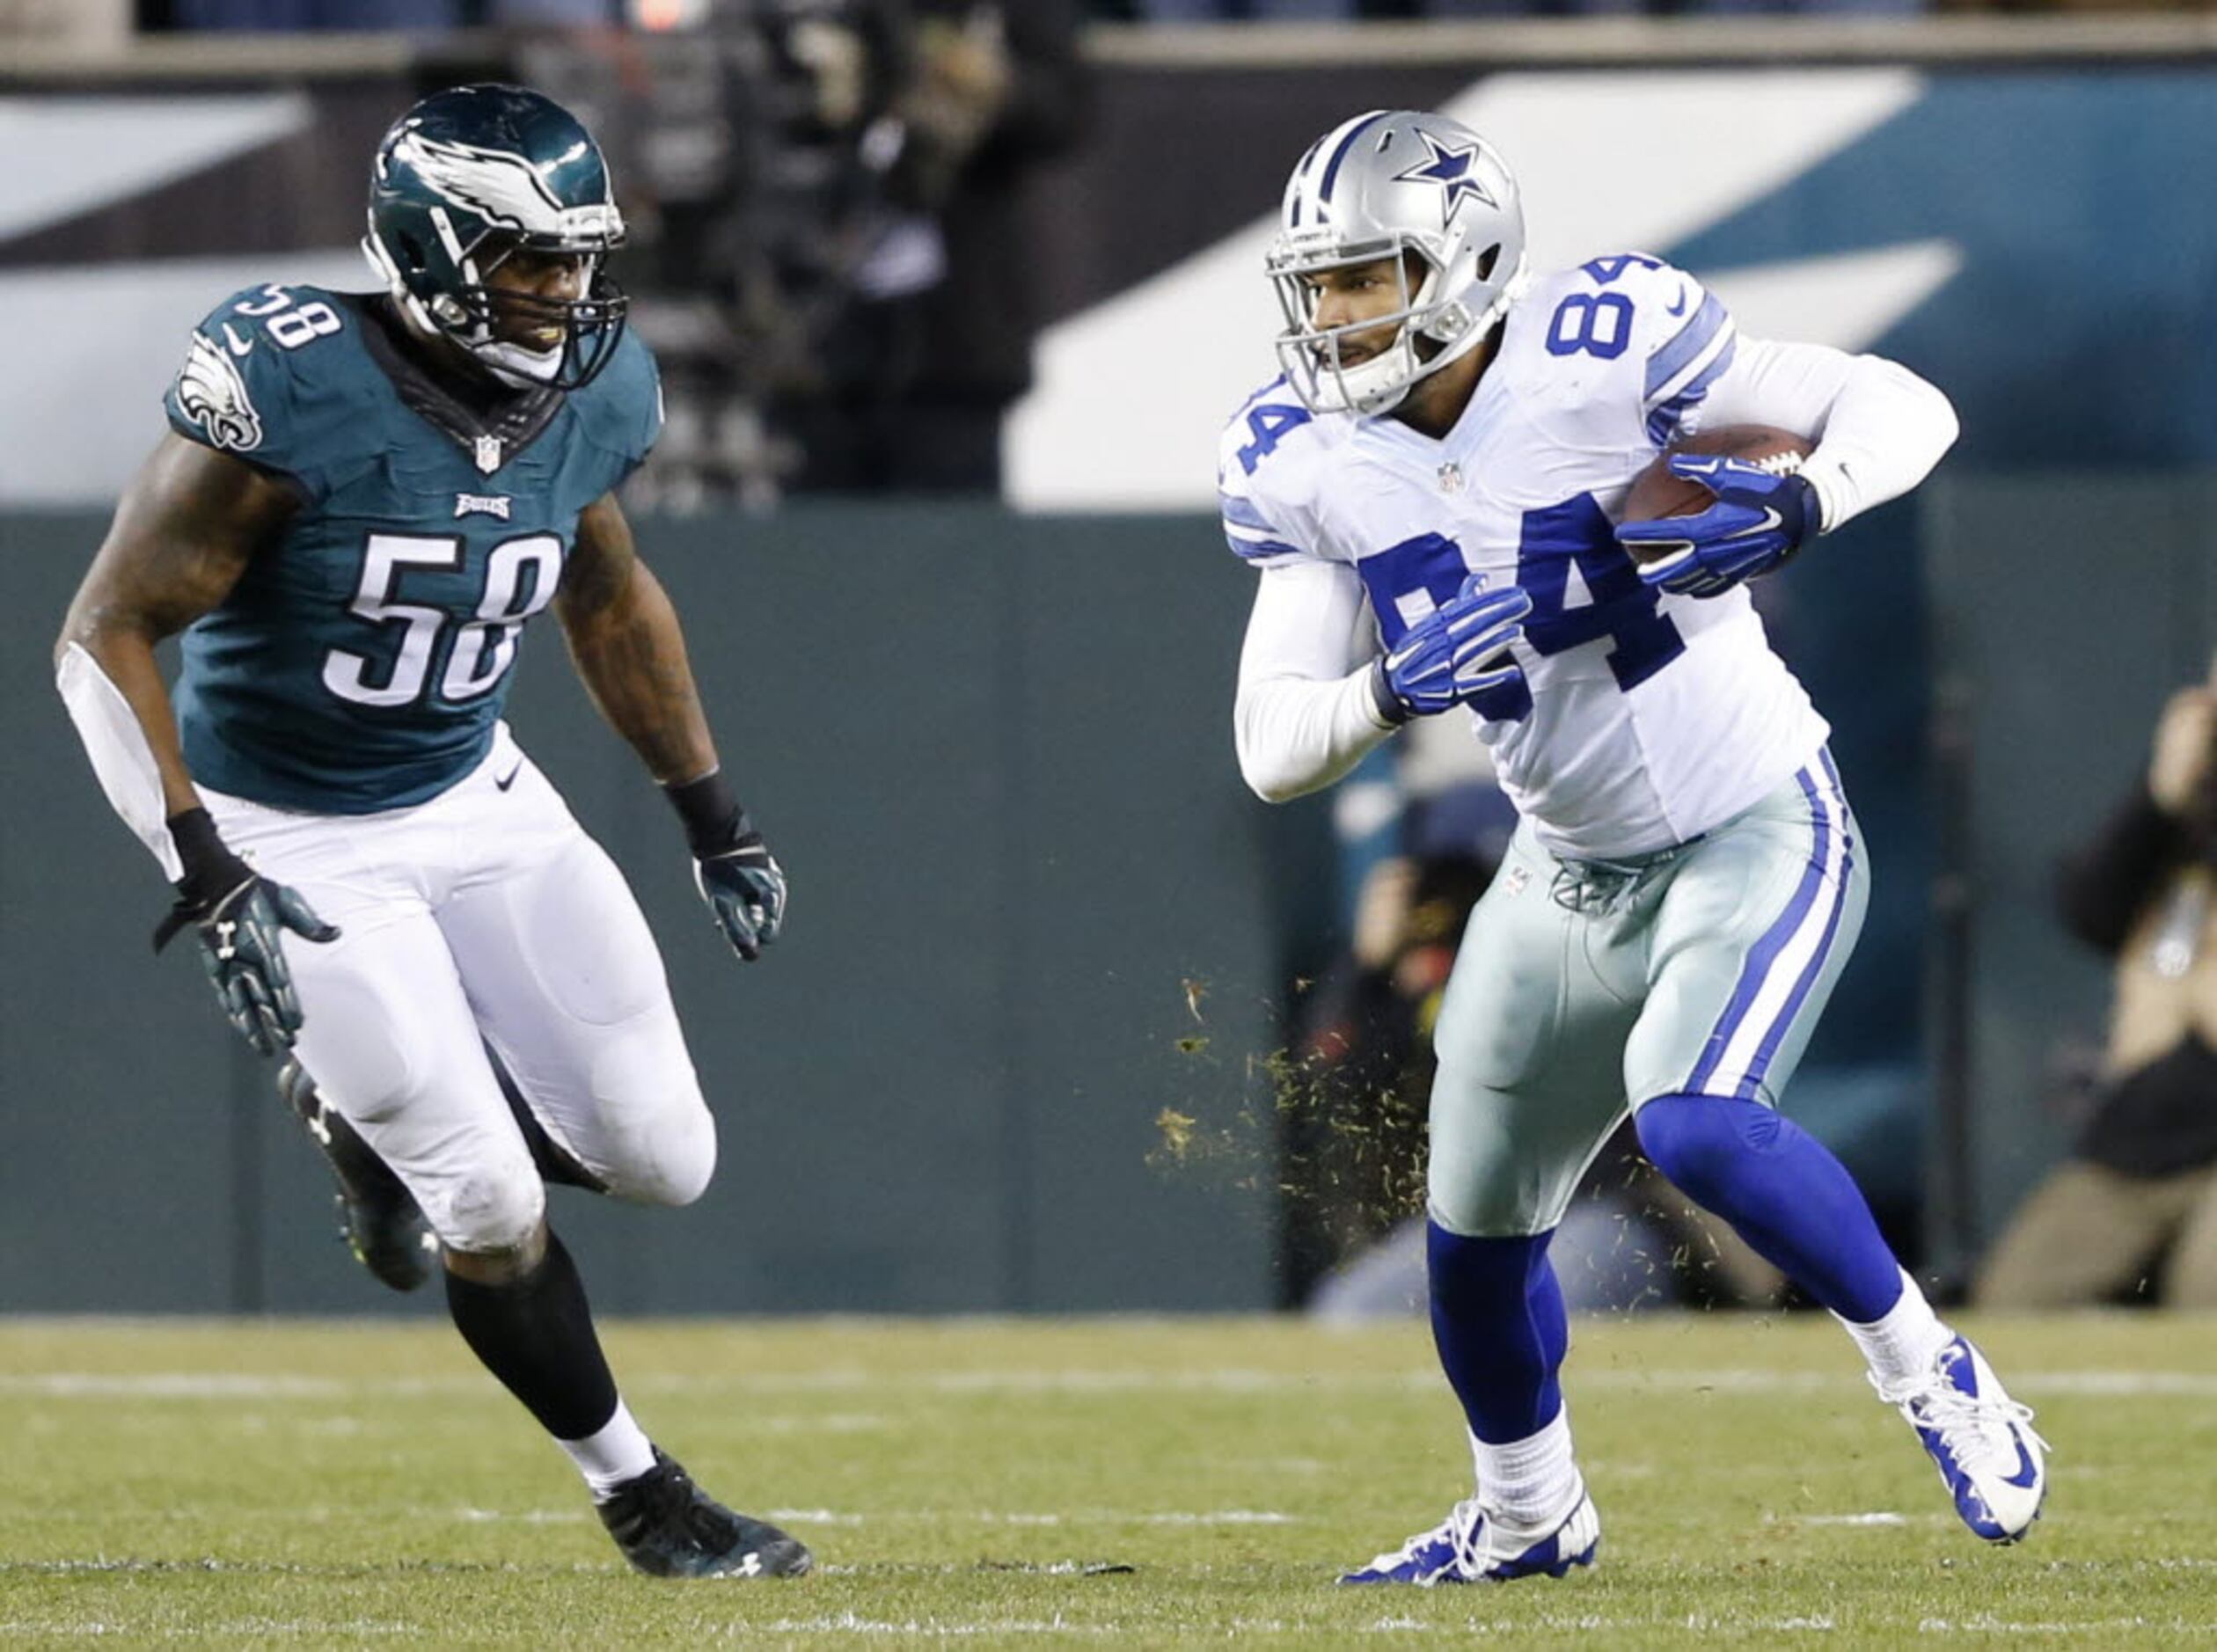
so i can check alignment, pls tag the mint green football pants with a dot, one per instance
(1585, 989)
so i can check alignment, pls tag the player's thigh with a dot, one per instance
(569, 990)
(1529, 1042)
(1750, 937)
(387, 1035)
(387, 1031)
(2083, 1236)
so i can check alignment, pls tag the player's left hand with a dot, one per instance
(745, 887)
(1758, 521)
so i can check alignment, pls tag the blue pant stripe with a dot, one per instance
(1766, 951)
(1760, 1063)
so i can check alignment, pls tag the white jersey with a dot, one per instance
(1643, 719)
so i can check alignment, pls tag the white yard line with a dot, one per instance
(196, 1385)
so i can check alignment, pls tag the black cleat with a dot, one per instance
(378, 1217)
(668, 1527)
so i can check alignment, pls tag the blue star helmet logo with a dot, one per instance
(1448, 167)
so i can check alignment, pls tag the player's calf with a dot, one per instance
(378, 1217)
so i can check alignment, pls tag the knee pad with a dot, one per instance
(490, 1209)
(1696, 1140)
(674, 1163)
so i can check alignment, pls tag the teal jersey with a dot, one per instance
(362, 660)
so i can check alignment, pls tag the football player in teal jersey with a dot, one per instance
(363, 498)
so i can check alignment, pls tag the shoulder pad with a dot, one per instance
(1627, 334)
(622, 409)
(1684, 340)
(266, 376)
(1261, 475)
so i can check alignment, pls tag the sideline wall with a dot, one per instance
(1009, 851)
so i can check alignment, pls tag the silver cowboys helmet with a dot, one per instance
(1434, 197)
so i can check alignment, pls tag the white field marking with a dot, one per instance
(1988, 1626)
(895, 1517)
(198, 1385)
(928, 1628)
(522, 1516)
(237, 1629)
(1876, 1517)
(1746, 1379)
(191, 1384)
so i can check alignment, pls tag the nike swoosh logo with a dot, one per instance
(1772, 521)
(508, 779)
(2026, 1474)
(1677, 308)
(239, 345)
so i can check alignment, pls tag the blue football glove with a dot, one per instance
(1758, 520)
(1454, 653)
(745, 887)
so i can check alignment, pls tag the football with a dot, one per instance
(1656, 492)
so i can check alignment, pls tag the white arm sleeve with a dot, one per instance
(121, 756)
(1879, 428)
(1304, 715)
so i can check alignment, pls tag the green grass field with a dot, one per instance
(1138, 1483)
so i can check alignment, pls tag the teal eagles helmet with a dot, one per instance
(464, 180)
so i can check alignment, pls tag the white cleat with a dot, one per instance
(1992, 1463)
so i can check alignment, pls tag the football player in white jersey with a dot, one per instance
(1430, 494)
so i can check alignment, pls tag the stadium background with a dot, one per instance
(1033, 908)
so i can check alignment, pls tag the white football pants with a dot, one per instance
(485, 914)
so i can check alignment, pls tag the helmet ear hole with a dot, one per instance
(410, 252)
(1487, 260)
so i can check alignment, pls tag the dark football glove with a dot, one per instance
(745, 887)
(1760, 518)
(239, 919)
(737, 875)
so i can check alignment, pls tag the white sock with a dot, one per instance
(1906, 1341)
(1529, 1482)
(619, 1451)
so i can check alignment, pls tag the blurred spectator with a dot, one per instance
(76, 22)
(286, 15)
(70, 22)
(2137, 1199)
(937, 342)
(1338, 11)
(1354, 1095)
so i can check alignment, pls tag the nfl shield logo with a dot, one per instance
(488, 454)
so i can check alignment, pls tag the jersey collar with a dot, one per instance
(492, 428)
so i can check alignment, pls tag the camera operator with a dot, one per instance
(2137, 1199)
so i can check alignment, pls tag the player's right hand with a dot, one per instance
(1454, 653)
(240, 934)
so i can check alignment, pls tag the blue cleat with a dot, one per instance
(1503, 1554)
(1466, 1547)
(1429, 1557)
(1990, 1460)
